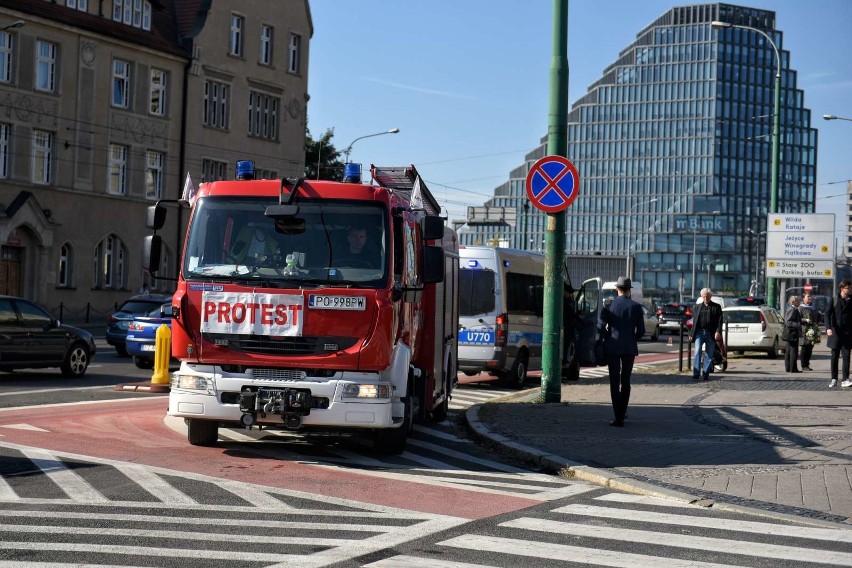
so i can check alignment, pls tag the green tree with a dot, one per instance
(322, 160)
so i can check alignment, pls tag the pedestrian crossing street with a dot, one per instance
(634, 531)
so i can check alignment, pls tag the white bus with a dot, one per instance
(501, 315)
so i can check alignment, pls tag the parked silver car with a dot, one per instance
(652, 323)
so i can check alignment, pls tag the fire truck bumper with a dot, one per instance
(354, 400)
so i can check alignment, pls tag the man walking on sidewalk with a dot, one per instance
(706, 331)
(838, 328)
(623, 324)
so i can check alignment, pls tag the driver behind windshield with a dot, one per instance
(359, 251)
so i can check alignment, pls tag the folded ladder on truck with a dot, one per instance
(405, 180)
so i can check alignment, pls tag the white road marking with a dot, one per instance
(77, 488)
(839, 535)
(690, 542)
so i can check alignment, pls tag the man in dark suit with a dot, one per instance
(838, 328)
(623, 324)
(706, 331)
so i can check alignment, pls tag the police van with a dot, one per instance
(501, 297)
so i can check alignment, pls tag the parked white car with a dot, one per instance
(753, 328)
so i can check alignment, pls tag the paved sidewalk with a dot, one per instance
(754, 436)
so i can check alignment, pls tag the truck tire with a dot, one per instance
(517, 375)
(439, 413)
(202, 432)
(392, 440)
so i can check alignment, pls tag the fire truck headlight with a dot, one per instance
(191, 382)
(380, 390)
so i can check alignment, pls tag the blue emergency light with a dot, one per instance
(473, 264)
(245, 169)
(352, 173)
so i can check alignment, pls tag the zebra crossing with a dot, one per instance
(175, 518)
(603, 372)
(634, 531)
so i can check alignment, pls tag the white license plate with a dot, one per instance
(737, 329)
(147, 348)
(337, 302)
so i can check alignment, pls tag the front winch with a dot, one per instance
(291, 404)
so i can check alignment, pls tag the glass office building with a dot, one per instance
(673, 145)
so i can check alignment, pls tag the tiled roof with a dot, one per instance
(163, 36)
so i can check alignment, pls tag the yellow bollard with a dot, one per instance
(160, 380)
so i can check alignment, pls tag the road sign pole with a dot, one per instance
(557, 145)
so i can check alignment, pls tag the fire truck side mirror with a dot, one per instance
(433, 265)
(432, 227)
(151, 248)
(156, 217)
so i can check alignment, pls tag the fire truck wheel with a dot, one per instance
(439, 413)
(392, 440)
(517, 375)
(202, 432)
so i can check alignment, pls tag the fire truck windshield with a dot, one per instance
(328, 242)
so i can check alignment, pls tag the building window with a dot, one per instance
(157, 104)
(117, 169)
(212, 170)
(66, 263)
(82, 5)
(266, 44)
(235, 46)
(266, 174)
(294, 53)
(154, 174)
(136, 13)
(4, 151)
(5, 57)
(216, 104)
(42, 156)
(45, 66)
(109, 268)
(263, 116)
(120, 83)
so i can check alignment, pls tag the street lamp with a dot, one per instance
(776, 126)
(832, 117)
(709, 266)
(15, 24)
(756, 260)
(349, 148)
(629, 219)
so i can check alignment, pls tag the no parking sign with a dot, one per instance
(553, 184)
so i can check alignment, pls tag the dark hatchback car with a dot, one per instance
(116, 332)
(31, 338)
(673, 315)
(142, 336)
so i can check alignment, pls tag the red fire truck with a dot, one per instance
(313, 305)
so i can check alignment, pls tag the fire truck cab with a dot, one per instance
(313, 305)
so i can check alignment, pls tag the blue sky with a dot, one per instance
(466, 81)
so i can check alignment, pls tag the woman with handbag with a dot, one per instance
(792, 332)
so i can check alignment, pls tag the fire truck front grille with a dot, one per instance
(305, 345)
